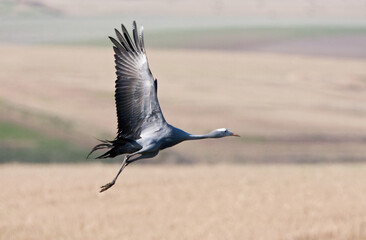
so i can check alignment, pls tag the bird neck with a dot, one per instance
(183, 136)
(197, 137)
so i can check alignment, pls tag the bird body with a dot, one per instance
(142, 128)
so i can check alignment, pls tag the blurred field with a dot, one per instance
(289, 77)
(169, 202)
(286, 108)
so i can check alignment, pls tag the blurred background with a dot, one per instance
(288, 76)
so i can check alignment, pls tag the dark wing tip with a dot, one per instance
(122, 40)
(136, 37)
(156, 85)
(125, 42)
(117, 44)
(128, 38)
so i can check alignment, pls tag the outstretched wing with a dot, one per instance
(136, 94)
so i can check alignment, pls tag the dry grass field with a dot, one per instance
(295, 202)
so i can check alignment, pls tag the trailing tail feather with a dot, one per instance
(113, 146)
(105, 145)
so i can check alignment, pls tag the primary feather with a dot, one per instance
(135, 94)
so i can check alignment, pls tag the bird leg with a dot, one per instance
(124, 164)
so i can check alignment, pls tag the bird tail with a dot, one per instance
(116, 147)
(106, 144)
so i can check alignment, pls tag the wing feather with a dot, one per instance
(135, 36)
(128, 38)
(117, 44)
(136, 99)
(142, 44)
(121, 39)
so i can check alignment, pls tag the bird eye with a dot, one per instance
(225, 130)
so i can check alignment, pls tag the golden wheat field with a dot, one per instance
(193, 202)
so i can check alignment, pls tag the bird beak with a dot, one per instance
(235, 135)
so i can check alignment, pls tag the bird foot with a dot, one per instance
(106, 187)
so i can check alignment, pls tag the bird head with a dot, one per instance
(222, 132)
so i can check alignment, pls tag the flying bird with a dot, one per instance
(142, 130)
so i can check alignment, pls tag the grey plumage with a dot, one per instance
(142, 129)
